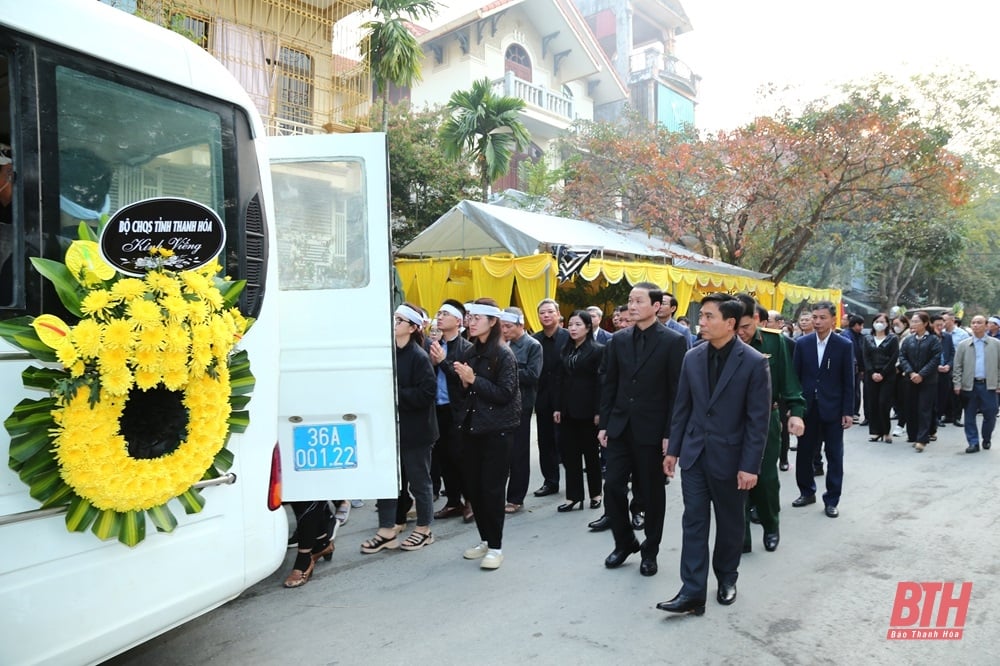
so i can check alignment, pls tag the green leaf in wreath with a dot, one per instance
(192, 500)
(49, 489)
(107, 524)
(23, 447)
(239, 421)
(45, 379)
(20, 333)
(66, 286)
(224, 459)
(133, 529)
(230, 290)
(162, 518)
(80, 515)
(85, 233)
(40, 463)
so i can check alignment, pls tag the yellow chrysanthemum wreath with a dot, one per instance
(147, 396)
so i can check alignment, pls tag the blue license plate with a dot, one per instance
(325, 446)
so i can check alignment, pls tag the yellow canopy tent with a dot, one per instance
(480, 249)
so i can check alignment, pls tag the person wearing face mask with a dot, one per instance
(881, 352)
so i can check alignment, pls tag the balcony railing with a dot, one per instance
(653, 63)
(535, 96)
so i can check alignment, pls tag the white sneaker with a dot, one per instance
(897, 432)
(492, 560)
(476, 552)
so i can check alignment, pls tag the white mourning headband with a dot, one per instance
(480, 309)
(412, 315)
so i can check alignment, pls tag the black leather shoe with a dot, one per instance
(783, 466)
(771, 540)
(754, 516)
(803, 500)
(546, 489)
(619, 555)
(648, 566)
(727, 594)
(973, 448)
(831, 511)
(638, 520)
(986, 445)
(747, 548)
(817, 471)
(957, 423)
(683, 604)
(600, 524)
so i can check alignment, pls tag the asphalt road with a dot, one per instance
(824, 597)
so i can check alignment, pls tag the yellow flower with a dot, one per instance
(97, 303)
(144, 313)
(66, 353)
(152, 338)
(128, 288)
(177, 336)
(197, 284)
(114, 358)
(214, 299)
(84, 262)
(146, 379)
(117, 382)
(197, 311)
(87, 338)
(117, 334)
(176, 307)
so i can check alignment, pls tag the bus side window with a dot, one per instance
(84, 183)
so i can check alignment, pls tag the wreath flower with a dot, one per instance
(144, 391)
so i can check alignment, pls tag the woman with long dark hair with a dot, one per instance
(901, 328)
(489, 413)
(416, 388)
(881, 352)
(919, 356)
(577, 401)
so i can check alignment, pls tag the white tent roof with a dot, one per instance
(472, 229)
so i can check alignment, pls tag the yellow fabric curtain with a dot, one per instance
(493, 277)
(425, 281)
(411, 284)
(535, 279)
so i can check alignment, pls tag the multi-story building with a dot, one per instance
(638, 36)
(298, 59)
(540, 51)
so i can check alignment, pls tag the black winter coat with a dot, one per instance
(416, 388)
(921, 355)
(492, 403)
(578, 387)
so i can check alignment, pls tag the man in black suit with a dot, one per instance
(596, 317)
(717, 436)
(642, 364)
(553, 338)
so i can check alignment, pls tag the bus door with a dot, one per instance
(337, 404)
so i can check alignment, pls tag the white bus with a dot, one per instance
(101, 110)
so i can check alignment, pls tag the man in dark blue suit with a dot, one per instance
(596, 317)
(642, 364)
(718, 435)
(824, 363)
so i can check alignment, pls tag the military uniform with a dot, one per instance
(786, 391)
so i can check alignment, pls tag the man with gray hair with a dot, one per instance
(976, 378)
(528, 353)
(596, 316)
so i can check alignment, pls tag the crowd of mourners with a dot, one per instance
(471, 380)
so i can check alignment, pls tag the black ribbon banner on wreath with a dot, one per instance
(570, 261)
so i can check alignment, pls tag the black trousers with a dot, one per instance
(548, 443)
(484, 466)
(520, 459)
(578, 446)
(644, 462)
(704, 493)
(879, 396)
(449, 452)
(920, 414)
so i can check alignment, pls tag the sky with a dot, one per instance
(738, 46)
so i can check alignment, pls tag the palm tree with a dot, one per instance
(394, 55)
(487, 127)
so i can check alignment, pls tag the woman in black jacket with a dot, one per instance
(488, 415)
(881, 352)
(919, 356)
(416, 388)
(577, 400)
